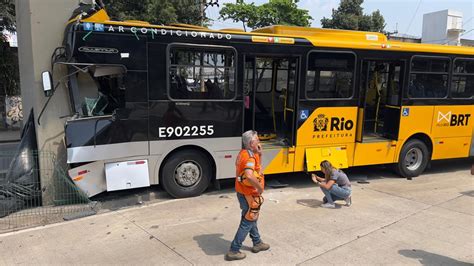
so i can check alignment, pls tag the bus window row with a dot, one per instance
(209, 73)
(429, 78)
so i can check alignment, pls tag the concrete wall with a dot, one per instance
(40, 25)
(442, 27)
(435, 27)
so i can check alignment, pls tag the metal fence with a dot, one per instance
(23, 192)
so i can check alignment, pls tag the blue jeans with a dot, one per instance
(336, 193)
(245, 227)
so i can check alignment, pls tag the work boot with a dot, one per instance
(260, 247)
(232, 255)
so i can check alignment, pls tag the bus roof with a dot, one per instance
(328, 38)
(360, 40)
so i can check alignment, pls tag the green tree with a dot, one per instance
(156, 11)
(349, 16)
(275, 12)
(9, 75)
(7, 16)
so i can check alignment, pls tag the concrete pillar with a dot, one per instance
(40, 27)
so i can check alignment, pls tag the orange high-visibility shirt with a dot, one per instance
(247, 160)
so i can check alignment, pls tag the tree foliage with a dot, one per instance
(349, 16)
(275, 12)
(9, 75)
(156, 11)
(7, 16)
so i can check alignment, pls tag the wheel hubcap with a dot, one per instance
(413, 159)
(187, 173)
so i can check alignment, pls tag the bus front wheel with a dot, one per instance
(413, 159)
(186, 173)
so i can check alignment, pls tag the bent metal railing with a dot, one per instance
(22, 192)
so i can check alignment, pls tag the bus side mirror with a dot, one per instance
(47, 83)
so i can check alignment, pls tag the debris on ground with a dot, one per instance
(274, 200)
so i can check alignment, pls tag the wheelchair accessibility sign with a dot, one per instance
(406, 112)
(304, 114)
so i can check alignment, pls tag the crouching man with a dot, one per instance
(249, 184)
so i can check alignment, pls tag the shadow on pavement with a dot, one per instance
(451, 165)
(213, 244)
(469, 193)
(313, 203)
(428, 258)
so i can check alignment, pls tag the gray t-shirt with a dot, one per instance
(341, 178)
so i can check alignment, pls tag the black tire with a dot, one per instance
(413, 159)
(186, 173)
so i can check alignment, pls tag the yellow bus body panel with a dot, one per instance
(278, 160)
(335, 38)
(330, 128)
(374, 153)
(328, 125)
(445, 148)
(301, 153)
(418, 120)
(448, 140)
(452, 121)
(336, 155)
(316, 139)
(100, 16)
(452, 131)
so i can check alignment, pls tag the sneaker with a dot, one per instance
(231, 255)
(260, 247)
(325, 200)
(329, 205)
(348, 201)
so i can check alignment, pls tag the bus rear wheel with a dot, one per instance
(413, 159)
(186, 173)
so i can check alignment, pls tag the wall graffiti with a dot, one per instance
(14, 110)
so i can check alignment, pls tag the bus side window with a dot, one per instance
(463, 78)
(429, 77)
(199, 72)
(330, 75)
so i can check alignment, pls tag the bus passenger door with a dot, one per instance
(269, 103)
(380, 100)
(379, 111)
(290, 102)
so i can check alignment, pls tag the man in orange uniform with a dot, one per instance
(249, 184)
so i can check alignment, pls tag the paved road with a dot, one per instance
(427, 220)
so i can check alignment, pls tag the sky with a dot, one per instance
(404, 15)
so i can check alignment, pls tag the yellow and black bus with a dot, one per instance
(168, 104)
